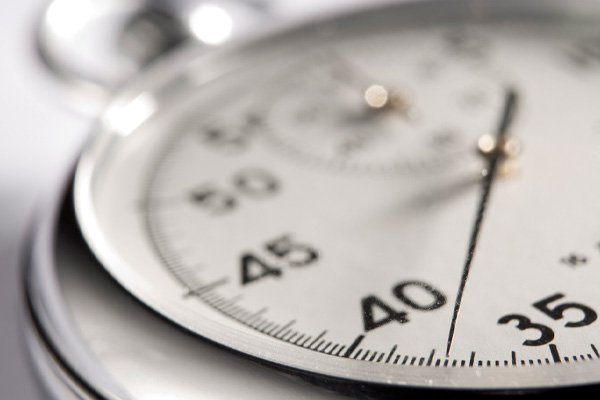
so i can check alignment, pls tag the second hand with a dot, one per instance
(495, 154)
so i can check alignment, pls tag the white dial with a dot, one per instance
(350, 200)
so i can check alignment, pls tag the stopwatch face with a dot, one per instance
(348, 199)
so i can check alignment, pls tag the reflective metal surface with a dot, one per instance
(88, 338)
(93, 47)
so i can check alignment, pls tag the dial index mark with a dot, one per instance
(354, 345)
(554, 352)
(198, 290)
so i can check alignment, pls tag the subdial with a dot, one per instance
(333, 113)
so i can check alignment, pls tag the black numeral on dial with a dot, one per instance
(372, 305)
(524, 323)
(555, 312)
(229, 138)
(255, 268)
(589, 315)
(254, 183)
(278, 253)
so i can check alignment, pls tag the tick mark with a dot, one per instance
(595, 350)
(354, 345)
(554, 352)
(205, 288)
(317, 338)
(286, 326)
(389, 357)
(430, 360)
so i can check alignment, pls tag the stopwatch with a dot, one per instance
(394, 200)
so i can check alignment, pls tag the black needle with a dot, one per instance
(508, 111)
